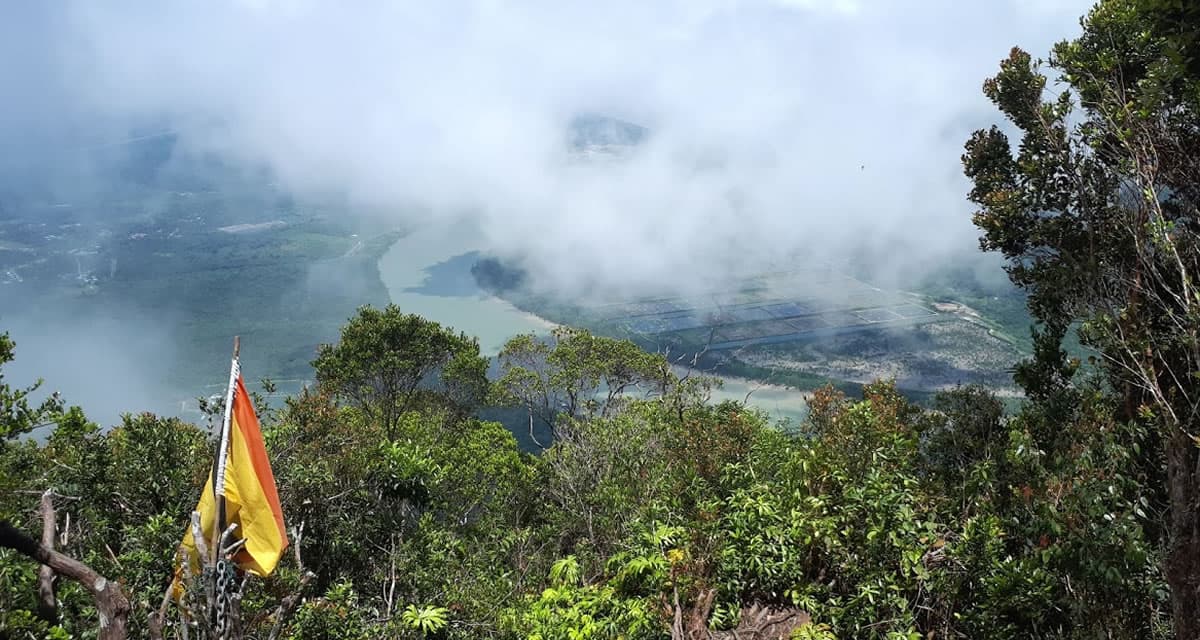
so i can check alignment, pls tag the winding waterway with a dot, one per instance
(428, 272)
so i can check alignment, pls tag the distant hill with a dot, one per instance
(594, 132)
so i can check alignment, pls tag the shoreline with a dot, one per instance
(413, 272)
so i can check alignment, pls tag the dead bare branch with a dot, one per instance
(111, 604)
(47, 599)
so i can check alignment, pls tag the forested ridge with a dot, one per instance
(654, 512)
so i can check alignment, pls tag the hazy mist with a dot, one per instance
(777, 126)
(780, 129)
(107, 365)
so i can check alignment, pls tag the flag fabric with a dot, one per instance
(251, 500)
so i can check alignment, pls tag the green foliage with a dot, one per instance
(17, 416)
(426, 619)
(564, 572)
(385, 358)
(336, 616)
(571, 611)
(126, 494)
(653, 508)
(1095, 210)
(813, 632)
(23, 623)
(576, 374)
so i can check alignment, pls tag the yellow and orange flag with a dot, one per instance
(248, 486)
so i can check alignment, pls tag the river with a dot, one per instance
(428, 272)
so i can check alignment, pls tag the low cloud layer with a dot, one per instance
(106, 364)
(780, 127)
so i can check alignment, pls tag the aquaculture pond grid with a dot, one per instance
(774, 308)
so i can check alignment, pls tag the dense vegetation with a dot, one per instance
(655, 513)
(878, 519)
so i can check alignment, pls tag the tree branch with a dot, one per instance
(47, 599)
(289, 603)
(111, 604)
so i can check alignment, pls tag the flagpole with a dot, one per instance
(222, 456)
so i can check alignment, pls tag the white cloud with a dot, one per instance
(821, 123)
(848, 7)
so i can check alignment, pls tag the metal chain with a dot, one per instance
(226, 588)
